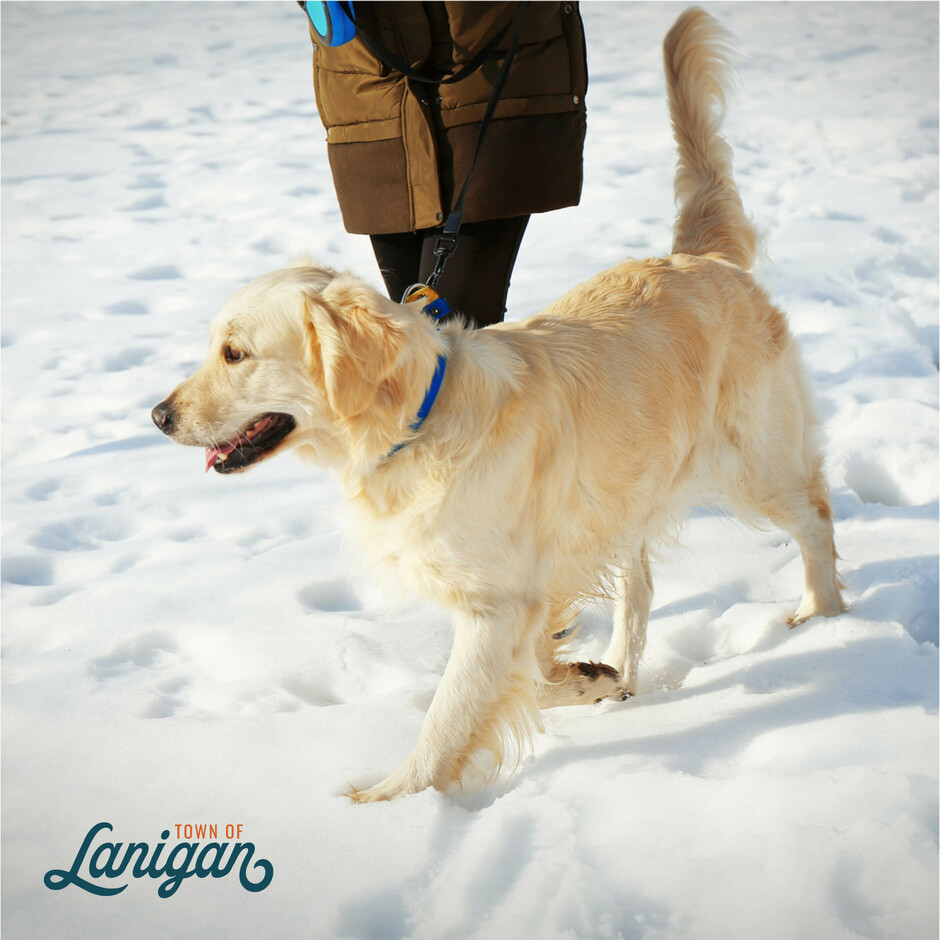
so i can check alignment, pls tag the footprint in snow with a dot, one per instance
(164, 272)
(82, 534)
(266, 246)
(331, 597)
(167, 699)
(43, 490)
(310, 690)
(146, 204)
(126, 359)
(871, 482)
(147, 651)
(27, 570)
(133, 308)
(146, 181)
(888, 235)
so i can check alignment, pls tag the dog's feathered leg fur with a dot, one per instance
(485, 701)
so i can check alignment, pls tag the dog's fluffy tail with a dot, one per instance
(698, 76)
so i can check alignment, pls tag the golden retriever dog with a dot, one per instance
(557, 451)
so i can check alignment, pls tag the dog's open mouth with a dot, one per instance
(258, 440)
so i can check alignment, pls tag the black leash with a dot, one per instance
(447, 242)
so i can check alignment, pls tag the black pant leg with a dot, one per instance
(399, 259)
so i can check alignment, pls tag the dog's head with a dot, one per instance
(308, 358)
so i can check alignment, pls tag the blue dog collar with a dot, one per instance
(436, 308)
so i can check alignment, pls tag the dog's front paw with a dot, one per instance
(368, 795)
(391, 788)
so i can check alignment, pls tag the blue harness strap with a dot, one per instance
(436, 308)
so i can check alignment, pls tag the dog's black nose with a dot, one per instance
(163, 416)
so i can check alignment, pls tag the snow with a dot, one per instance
(183, 648)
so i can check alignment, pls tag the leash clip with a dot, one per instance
(446, 244)
(436, 307)
(445, 247)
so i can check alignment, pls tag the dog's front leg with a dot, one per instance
(487, 689)
(631, 616)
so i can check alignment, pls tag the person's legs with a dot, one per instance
(476, 279)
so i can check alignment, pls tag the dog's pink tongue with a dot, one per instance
(213, 453)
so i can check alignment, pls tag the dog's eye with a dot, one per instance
(233, 355)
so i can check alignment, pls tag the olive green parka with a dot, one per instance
(399, 150)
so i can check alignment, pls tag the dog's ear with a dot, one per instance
(353, 346)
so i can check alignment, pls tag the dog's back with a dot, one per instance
(696, 388)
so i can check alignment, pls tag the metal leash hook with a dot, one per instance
(445, 247)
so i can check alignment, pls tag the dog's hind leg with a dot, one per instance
(779, 476)
(485, 701)
(579, 684)
(631, 616)
(814, 533)
(802, 508)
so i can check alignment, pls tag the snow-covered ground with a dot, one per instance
(181, 648)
